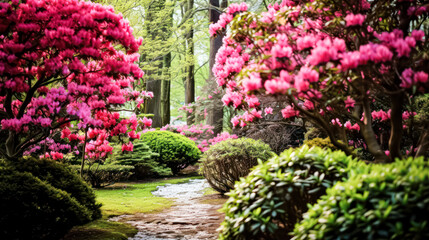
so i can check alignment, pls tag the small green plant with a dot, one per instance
(225, 162)
(272, 198)
(99, 175)
(42, 199)
(320, 142)
(143, 160)
(175, 150)
(385, 202)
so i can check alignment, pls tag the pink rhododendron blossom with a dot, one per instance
(289, 112)
(349, 102)
(276, 86)
(354, 19)
(252, 83)
(268, 110)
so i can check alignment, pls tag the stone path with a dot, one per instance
(191, 218)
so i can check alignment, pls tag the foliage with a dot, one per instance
(43, 202)
(143, 160)
(272, 198)
(61, 177)
(386, 202)
(320, 142)
(62, 62)
(175, 150)
(99, 175)
(353, 68)
(227, 161)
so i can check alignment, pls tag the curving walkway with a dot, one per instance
(190, 218)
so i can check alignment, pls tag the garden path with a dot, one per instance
(192, 217)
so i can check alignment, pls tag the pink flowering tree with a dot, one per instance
(354, 68)
(62, 64)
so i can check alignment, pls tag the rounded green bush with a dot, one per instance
(175, 150)
(43, 201)
(272, 198)
(386, 202)
(62, 177)
(225, 162)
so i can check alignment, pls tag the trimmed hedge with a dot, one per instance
(103, 175)
(175, 150)
(42, 199)
(275, 194)
(386, 202)
(225, 162)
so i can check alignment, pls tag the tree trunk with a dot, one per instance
(153, 105)
(190, 78)
(396, 129)
(215, 110)
(165, 91)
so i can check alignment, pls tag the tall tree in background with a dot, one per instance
(157, 25)
(190, 79)
(215, 110)
(153, 21)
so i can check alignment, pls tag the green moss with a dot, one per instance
(135, 198)
(102, 229)
(209, 190)
(123, 198)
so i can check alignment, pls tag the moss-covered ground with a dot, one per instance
(119, 199)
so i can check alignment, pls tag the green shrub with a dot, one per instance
(103, 175)
(225, 162)
(272, 198)
(321, 142)
(175, 151)
(62, 177)
(387, 202)
(143, 160)
(42, 199)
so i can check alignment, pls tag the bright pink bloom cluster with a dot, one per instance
(226, 18)
(330, 63)
(354, 19)
(75, 63)
(205, 145)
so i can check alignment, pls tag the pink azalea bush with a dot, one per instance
(63, 62)
(201, 134)
(353, 68)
